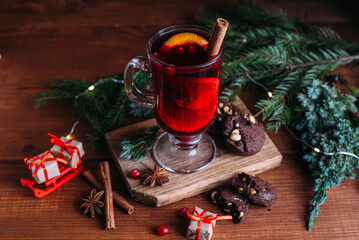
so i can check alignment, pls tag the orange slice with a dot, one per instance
(185, 38)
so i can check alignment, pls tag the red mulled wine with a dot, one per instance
(185, 83)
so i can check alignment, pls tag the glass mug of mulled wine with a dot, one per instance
(185, 95)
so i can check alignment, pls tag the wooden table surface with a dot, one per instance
(42, 40)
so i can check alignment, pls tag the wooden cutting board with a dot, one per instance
(222, 170)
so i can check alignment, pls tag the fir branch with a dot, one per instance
(70, 85)
(137, 146)
(44, 98)
(318, 199)
(341, 60)
(103, 107)
(322, 121)
(116, 115)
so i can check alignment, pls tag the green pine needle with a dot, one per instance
(136, 147)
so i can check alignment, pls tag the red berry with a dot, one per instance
(180, 50)
(135, 173)
(162, 230)
(156, 54)
(183, 212)
(192, 48)
(170, 71)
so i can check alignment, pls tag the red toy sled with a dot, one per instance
(66, 173)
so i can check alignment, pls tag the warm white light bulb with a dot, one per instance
(92, 87)
(270, 94)
(68, 137)
(316, 150)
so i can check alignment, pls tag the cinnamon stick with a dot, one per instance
(117, 198)
(92, 179)
(122, 203)
(109, 212)
(217, 36)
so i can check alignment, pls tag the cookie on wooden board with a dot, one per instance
(224, 109)
(255, 189)
(231, 203)
(243, 133)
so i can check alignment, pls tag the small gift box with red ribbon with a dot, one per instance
(67, 149)
(202, 223)
(44, 166)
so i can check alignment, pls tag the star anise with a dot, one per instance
(155, 176)
(92, 203)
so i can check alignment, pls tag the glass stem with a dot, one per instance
(184, 142)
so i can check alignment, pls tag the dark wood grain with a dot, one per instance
(41, 40)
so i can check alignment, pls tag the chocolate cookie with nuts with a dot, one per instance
(224, 109)
(231, 203)
(255, 189)
(243, 133)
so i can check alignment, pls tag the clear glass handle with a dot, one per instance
(133, 93)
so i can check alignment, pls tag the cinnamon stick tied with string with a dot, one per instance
(217, 36)
(117, 198)
(109, 212)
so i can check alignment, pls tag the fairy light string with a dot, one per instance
(316, 149)
(72, 130)
(269, 93)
